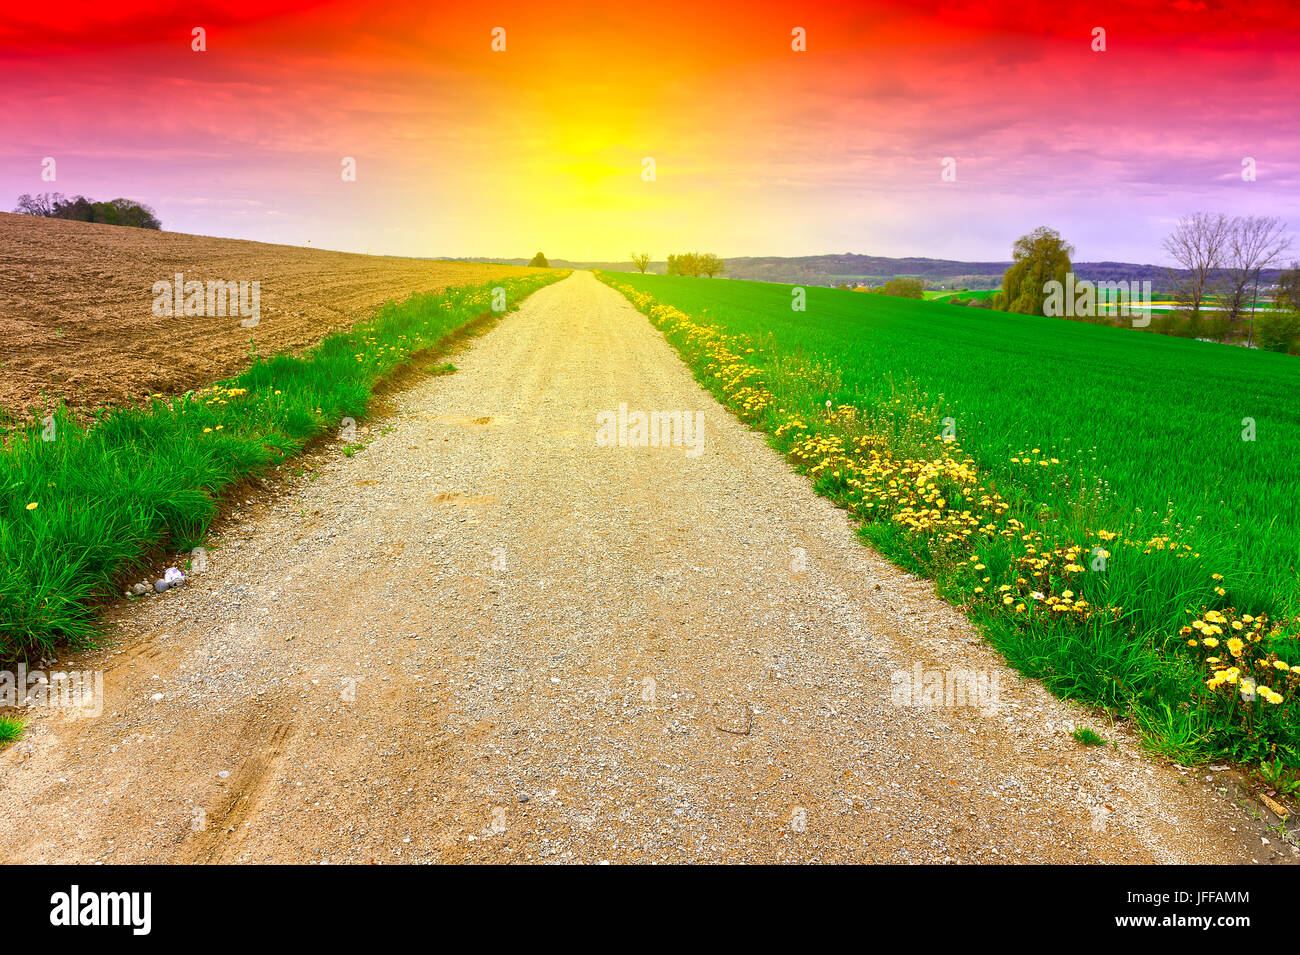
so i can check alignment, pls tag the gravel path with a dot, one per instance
(486, 638)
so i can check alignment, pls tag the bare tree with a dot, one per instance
(641, 261)
(1198, 244)
(45, 204)
(1254, 243)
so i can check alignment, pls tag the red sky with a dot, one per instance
(758, 149)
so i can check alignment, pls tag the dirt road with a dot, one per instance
(486, 638)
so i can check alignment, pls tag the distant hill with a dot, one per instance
(852, 268)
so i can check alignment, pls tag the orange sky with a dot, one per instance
(758, 149)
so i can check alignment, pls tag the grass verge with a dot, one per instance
(83, 504)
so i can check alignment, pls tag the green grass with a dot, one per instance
(11, 730)
(1147, 434)
(80, 512)
(1087, 737)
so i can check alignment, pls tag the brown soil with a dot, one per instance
(76, 318)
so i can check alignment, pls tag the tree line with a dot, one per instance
(692, 263)
(1221, 261)
(55, 205)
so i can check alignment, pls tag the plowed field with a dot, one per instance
(76, 316)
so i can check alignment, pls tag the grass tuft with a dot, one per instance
(11, 730)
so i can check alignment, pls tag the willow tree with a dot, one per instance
(1040, 257)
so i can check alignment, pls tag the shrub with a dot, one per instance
(905, 287)
(1278, 331)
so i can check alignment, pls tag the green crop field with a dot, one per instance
(1150, 478)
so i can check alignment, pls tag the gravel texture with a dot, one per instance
(485, 638)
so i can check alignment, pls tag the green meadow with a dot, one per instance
(1181, 449)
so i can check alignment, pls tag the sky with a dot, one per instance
(757, 148)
